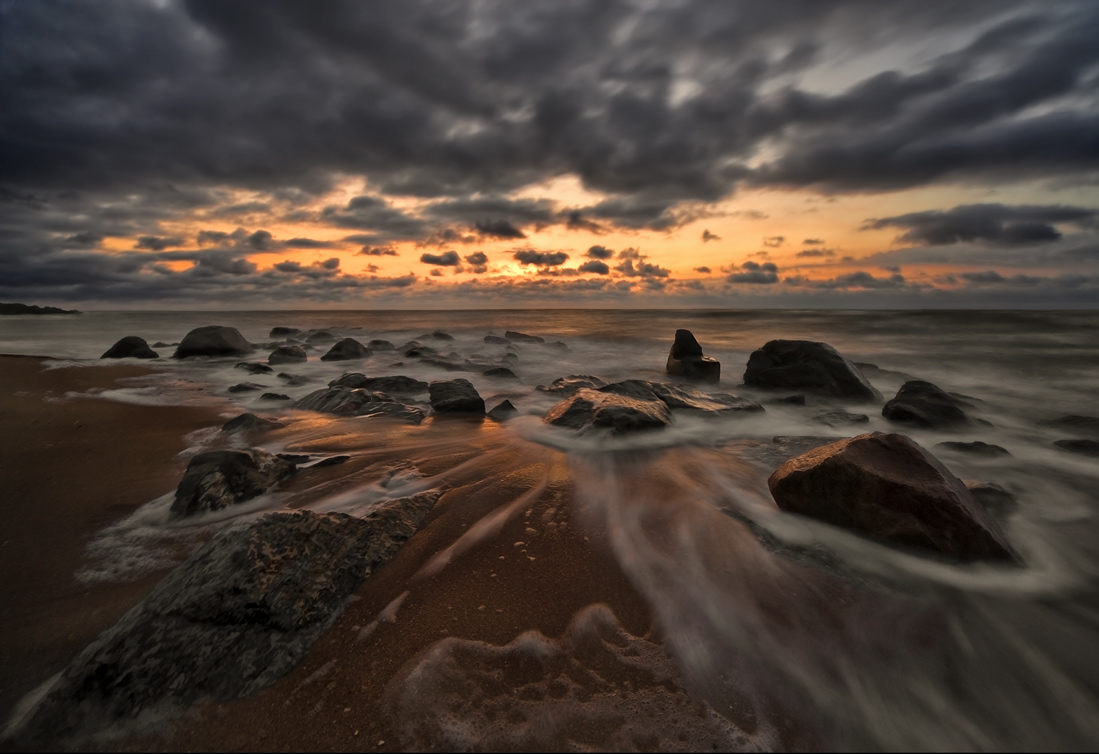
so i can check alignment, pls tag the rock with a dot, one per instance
(593, 409)
(220, 478)
(503, 411)
(274, 397)
(510, 358)
(680, 398)
(254, 367)
(779, 449)
(380, 345)
(345, 401)
(889, 488)
(248, 423)
(1085, 425)
(319, 337)
(288, 355)
(346, 349)
(557, 345)
(456, 396)
(34, 309)
(497, 339)
(992, 496)
(793, 400)
(921, 404)
(162, 344)
(282, 332)
(293, 380)
(232, 619)
(572, 383)
(330, 461)
(501, 373)
(212, 340)
(976, 448)
(519, 337)
(130, 347)
(438, 335)
(685, 360)
(1084, 447)
(841, 418)
(806, 365)
(395, 385)
(245, 387)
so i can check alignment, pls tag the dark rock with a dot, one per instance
(572, 383)
(319, 337)
(330, 461)
(510, 358)
(288, 355)
(220, 478)
(396, 385)
(685, 345)
(345, 401)
(921, 404)
(438, 335)
(1085, 425)
(841, 418)
(888, 487)
(873, 369)
(380, 345)
(130, 347)
(249, 422)
(793, 400)
(212, 340)
(976, 448)
(294, 458)
(592, 409)
(681, 398)
(254, 367)
(232, 619)
(992, 496)
(162, 344)
(1084, 447)
(282, 332)
(274, 397)
(685, 360)
(503, 411)
(346, 349)
(245, 387)
(779, 449)
(501, 373)
(456, 396)
(497, 339)
(806, 365)
(519, 337)
(557, 345)
(293, 380)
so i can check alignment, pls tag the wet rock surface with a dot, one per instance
(808, 366)
(130, 347)
(348, 401)
(456, 396)
(685, 360)
(681, 398)
(594, 409)
(395, 385)
(889, 488)
(212, 340)
(346, 349)
(288, 355)
(221, 478)
(245, 387)
(572, 383)
(921, 404)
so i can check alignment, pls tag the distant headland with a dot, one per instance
(32, 309)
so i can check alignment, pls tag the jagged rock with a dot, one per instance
(395, 385)
(319, 337)
(685, 360)
(282, 332)
(810, 366)
(888, 487)
(220, 478)
(976, 448)
(380, 345)
(288, 355)
(1084, 447)
(249, 422)
(1086, 425)
(503, 411)
(212, 340)
(130, 347)
(274, 397)
(254, 367)
(501, 373)
(841, 418)
(592, 409)
(921, 404)
(293, 380)
(346, 349)
(497, 340)
(245, 387)
(456, 396)
(345, 401)
(572, 383)
(232, 619)
(519, 337)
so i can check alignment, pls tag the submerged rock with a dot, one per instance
(501, 373)
(380, 345)
(293, 380)
(922, 404)
(245, 387)
(888, 487)
(232, 619)
(685, 359)
(212, 340)
(319, 337)
(1087, 425)
(456, 396)
(497, 340)
(221, 478)
(274, 397)
(1084, 447)
(976, 448)
(130, 347)
(572, 383)
(503, 411)
(346, 349)
(810, 366)
(288, 355)
(282, 332)
(254, 367)
(588, 408)
(249, 422)
(519, 337)
(841, 418)
(992, 496)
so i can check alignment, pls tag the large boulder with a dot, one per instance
(232, 619)
(130, 347)
(921, 404)
(346, 349)
(593, 409)
(212, 340)
(394, 385)
(889, 488)
(220, 478)
(288, 355)
(808, 366)
(685, 360)
(456, 396)
(346, 401)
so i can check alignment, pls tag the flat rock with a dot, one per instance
(793, 400)
(519, 337)
(346, 349)
(218, 479)
(889, 488)
(347, 401)
(395, 385)
(282, 332)
(841, 418)
(212, 340)
(572, 383)
(274, 397)
(808, 366)
(1085, 425)
(288, 355)
(254, 367)
(248, 423)
(232, 619)
(922, 404)
(503, 411)
(456, 396)
(1083, 447)
(621, 414)
(130, 347)
(976, 448)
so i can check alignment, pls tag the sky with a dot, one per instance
(275, 154)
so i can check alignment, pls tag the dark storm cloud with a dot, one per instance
(854, 280)
(158, 243)
(498, 229)
(995, 223)
(599, 252)
(594, 265)
(478, 261)
(755, 273)
(308, 243)
(446, 259)
(632, 264)
(704, 270)
(540, 258)
(377, 251)
(374, 214)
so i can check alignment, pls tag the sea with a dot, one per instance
(900, 650)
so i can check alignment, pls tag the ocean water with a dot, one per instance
(863, 645)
